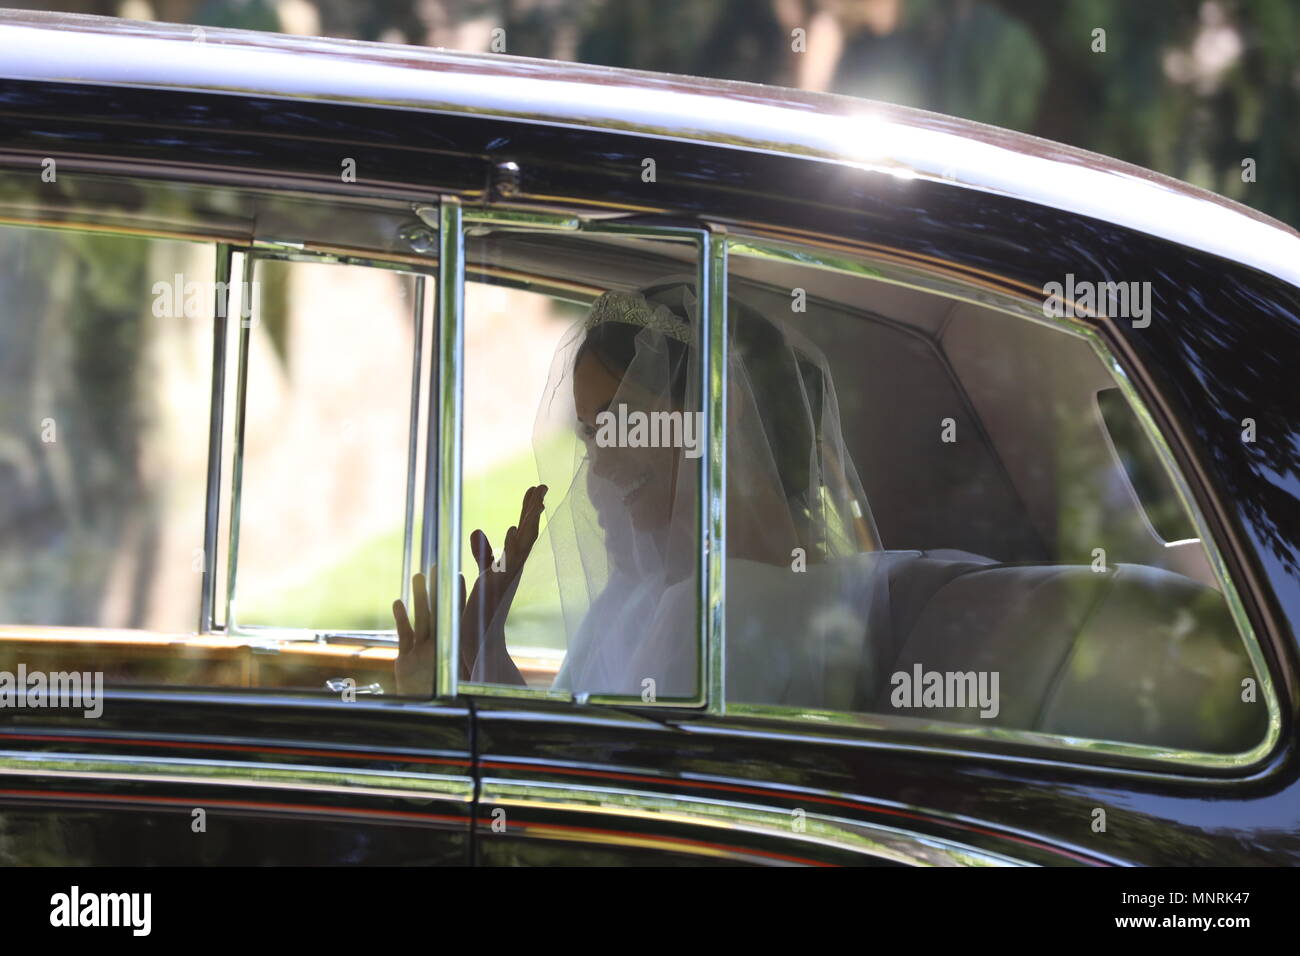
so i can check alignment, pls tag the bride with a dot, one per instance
(803, 588)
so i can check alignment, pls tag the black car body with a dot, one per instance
(240, 142)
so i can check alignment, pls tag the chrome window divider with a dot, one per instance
(413, 439)
(713, 480)
(440, 539)
(237, 467)
(216, 423)
(863, 265)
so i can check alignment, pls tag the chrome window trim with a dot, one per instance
(709, 511)
(389, 204)
(822, 830)
(121, 229)
(1139, 505)
(1049, 756)
(528, 220)
(264, 248)
(864, 265)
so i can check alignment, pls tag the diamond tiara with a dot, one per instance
(632, 308)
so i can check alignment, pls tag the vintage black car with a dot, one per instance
(270, 305)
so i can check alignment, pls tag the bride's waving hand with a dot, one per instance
(490, 599)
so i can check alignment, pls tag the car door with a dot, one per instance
(570, 778)
(214, 442)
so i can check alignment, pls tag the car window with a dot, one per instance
(136, 549)
(1152, 489)
(1009, 576)
(104, 373)
(582, 431)
(323, 484)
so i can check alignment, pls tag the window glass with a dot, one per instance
(105, 365)
(967, 544)
(324, 480)
(583, 433)
(106, 381)
(1150, 482)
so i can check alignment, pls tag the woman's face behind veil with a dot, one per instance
(624, 537)
(640, 481)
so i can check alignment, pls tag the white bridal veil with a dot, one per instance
(620, 545)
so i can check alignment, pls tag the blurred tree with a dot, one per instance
(238, 14)
(726, 39)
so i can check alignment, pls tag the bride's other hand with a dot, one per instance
(416, 644)
(496, 578)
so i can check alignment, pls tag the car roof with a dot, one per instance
(899, 141)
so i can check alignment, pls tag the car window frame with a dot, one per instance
(992, 292)
(454, 220)
(417, 500)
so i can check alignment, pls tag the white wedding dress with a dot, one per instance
(800, 639)
(628, 592)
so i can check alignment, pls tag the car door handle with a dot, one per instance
(339, 684)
